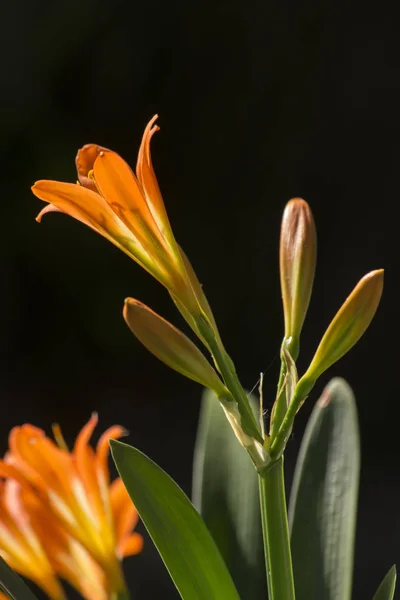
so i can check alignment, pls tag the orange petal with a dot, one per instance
(103, 446)
(91, 209)
(148, 180)
(7, 470)
(123, 509)
(40, 459)
(119, 187)
(131, 545)
(82, 204)
(21, 544)
(86, 464)
(85, 433)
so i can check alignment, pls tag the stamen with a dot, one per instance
(59, 438)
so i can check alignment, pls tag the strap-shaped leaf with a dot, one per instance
(388, 585)
(12, 585)
(323, 503)
(225, 492)
(180, 535)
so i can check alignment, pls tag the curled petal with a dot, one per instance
(47, 209)
(148, 181)
(92, 210)
(82, 204)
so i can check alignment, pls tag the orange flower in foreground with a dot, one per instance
(33, 543)
(20, 545)
(128, 210)
(95, 518)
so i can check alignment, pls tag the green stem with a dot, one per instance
(278, 559)
(278, 442)
(228, 372)
(118, 587)
(122, 595)
(280, 407)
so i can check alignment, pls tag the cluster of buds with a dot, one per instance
(61, 518)
(297, 266)
(127, 208)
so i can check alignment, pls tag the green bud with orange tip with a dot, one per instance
(298, 252)
(349, 324)
(170, 345)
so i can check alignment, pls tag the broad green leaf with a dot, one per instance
(225, 492)
(180, 535)
(387, 586)
(12, 585)
(323, 503)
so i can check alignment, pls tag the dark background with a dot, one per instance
(258, 102)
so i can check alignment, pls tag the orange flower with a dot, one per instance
(34, 544)
(20, 545)
(96, 517)
(126, 209)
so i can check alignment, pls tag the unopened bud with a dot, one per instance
(170, 345)
(298, 251)
(348, 325)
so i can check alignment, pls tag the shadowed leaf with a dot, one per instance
(12, 585)
(323, 502)
(225, 491)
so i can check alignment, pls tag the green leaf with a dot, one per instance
(225, 492)
(180, 535)
(12, 585)
(387, 586)
(323, 503)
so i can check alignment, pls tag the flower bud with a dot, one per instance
(298, 251)
(348, 325)
(170, 345)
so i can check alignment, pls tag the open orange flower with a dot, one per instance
(74, 486)
(20, 544)
(125, 208)
(34, 543)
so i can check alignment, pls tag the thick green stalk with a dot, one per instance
(278, 557)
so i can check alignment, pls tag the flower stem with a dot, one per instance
(278, 557)
(227, 369)
(122, 595)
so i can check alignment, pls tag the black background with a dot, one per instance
(258, 103)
